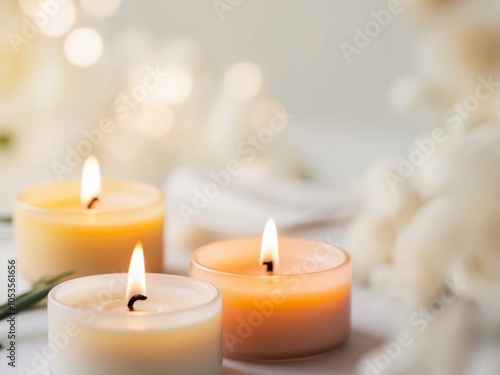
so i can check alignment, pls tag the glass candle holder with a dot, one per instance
(55, 233)
(301, 309)
(176, 331)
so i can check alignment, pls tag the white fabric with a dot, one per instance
(243, 206)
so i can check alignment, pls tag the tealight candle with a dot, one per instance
(156, 324)
(74, 226)
(277, 305)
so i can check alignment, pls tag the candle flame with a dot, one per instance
(136, 281)
(91, 181)
(269, 250)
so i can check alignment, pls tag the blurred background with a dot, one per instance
(384, 112)
(66, 66)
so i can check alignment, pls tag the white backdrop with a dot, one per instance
(296, 43)
(342, 117)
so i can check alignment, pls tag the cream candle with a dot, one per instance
(176, 330)
(62, 226)
(294, 306)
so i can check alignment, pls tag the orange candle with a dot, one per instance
(278, 303)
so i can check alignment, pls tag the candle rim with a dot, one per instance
(21, 201)
(75, 309)
(194, 260)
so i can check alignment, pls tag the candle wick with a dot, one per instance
(269, 265)
(133, 299)
(92, 202)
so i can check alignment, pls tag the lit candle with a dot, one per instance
(72, 225)
(149, 324)
(277, 304)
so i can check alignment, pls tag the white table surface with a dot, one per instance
(373, 319)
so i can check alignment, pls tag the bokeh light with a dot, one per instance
(29, 7)
(154, 119)
(83, 47)
(100, 8)
(243, 80)
(53, 18)
(176, 86)
(60, 19)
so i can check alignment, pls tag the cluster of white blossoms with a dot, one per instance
(439, 228)
(440, 221)
(457, 68)
(428, 234)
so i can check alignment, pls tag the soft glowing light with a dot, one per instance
(100, 8)
(83, 47)
(136, 280)
(30, 7)
(154, 119)
(61, 18)
(53, 18)
(91, 181)
(243, 80)
(175, 86)
(269, 250)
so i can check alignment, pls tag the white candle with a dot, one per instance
(176, 330)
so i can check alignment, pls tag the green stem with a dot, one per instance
(39, 292)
